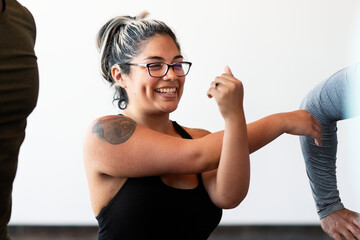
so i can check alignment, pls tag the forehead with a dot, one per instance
(159, 46)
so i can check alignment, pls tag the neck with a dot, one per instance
(157, 122)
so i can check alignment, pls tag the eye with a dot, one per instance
(178, 66)
(155, 66)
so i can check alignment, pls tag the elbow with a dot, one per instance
(230, 202)
(236, 203)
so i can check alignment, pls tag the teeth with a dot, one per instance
(166, 90)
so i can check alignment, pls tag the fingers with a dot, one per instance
(226, 79)
(336, 236)
(348, 235)
(356, 225)
(301, 122)
(228, 71)
(216, 84)
(213, 87)
(357, 220)
(337, 232)
(209, 93)
(318, 132)
(228, 93)
(221, 83)
(220, 80)
(342, 224)
(315, 129)
(354, 230)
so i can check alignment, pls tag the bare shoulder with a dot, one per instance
(105, 136)
(104, 141)
(197, 132)
(114, 129)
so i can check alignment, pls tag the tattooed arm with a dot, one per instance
(118, 146)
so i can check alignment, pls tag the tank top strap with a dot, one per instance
(184, 134)
(180, 130)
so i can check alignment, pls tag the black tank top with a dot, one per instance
(147, 208)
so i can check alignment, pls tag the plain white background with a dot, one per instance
(280, 49)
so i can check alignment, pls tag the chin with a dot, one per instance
(169, 109)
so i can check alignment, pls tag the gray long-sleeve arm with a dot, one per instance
(332, 100)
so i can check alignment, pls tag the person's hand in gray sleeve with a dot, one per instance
(329, 102)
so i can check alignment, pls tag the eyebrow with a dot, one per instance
(162, 59)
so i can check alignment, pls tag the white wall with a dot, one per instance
(279, 48)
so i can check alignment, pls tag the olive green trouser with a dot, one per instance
(17, 100)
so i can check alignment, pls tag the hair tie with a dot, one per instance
(142, 15)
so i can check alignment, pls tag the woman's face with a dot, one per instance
(154, 95)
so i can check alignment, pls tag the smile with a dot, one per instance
(166, 90)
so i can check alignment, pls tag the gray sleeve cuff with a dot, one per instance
(329, 210)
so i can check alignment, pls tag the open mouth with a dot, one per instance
(166, 90)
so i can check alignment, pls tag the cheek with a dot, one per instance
(182, 86)
(148, 90)
(140, 88)
(135, 91)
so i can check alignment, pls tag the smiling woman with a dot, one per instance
(148, 176)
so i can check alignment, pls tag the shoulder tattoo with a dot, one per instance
(115, 130)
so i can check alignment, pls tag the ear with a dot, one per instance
(116, 75)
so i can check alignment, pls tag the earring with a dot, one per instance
(122, 104)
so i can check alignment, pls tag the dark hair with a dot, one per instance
(120, 40)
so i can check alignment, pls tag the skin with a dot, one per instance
(143, 142)
(342, 223)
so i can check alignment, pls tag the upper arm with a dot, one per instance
(118, 146)
(208, 177)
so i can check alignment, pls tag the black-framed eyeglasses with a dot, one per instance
(160, 69)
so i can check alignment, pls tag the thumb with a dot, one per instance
(227, 70)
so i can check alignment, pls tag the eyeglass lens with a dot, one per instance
(160, 69)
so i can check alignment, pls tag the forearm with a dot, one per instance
(233, 174)
(261, 132)
(264, 131)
